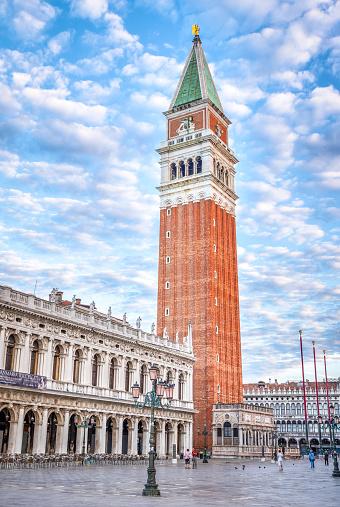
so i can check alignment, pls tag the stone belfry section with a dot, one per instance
(198, 279)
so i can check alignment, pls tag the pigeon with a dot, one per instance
(259, 467)
(235, 468)
(264, 467)
(243, 467)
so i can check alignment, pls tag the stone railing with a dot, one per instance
(30, 301)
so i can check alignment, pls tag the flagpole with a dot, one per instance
(317, 400)
(304, 394)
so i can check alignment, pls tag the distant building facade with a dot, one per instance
(242, 430)
(59, 358)
(287, 403)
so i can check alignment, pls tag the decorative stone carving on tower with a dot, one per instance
(198, 279)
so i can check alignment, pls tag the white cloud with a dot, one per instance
(59, 42)
(31, 18)
(49, 102)
(92, 9)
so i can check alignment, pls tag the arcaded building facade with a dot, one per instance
(198, 278)
(59, 359)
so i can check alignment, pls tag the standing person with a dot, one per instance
(187, 459)
(311, 458)
(326, 457)
(280, 460)
(194, 458)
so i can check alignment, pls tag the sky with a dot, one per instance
(82, 90)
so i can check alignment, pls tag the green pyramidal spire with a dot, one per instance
(196, 81)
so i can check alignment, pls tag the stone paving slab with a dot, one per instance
(220, 482)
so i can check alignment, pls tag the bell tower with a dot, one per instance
(198, 279)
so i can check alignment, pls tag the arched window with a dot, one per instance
(190, 167)
(336, 408)
(76, 367)
(294, 426)
(198, 165)
(181, 169)
(277, 409)
(181, 387)
(112, 374)
(142, 378)
(173, 171)
(127, 376)
(220, 172)
(299, 426)
(283, 409)
(34, 358)
(309, 409)
(293, 409)
(56, 363)
(278, 425)
(9, 364)
(226, 179)
(289, 426)
(288, 408)
(227, 429)
(283, 426)
(315, 412)
(95, 361)
(169, 377)
(298, 408)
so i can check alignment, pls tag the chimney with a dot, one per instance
(59, 297)
(78, 300)
(270, 381)
(275, 381)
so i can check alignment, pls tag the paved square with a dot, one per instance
(220, 482)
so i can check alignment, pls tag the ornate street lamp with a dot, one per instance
(333, 424)
(153, 399)
(205, 433)
(86, 424)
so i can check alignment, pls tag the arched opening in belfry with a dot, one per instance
(181, 169)
(173, 171)
(199, 165)
(190, 167)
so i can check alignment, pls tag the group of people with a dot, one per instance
(194, 458)
(311, 457)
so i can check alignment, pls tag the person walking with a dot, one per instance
(326, 457)
(311, 458)
(187, 459)
(280, 460)
(194, 458)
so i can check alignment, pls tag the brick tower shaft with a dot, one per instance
(198, 280)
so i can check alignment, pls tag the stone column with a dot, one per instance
(17, 357)
(162, 437)
(240, 437)
(2, 347)
(39, 444)
(79, 443)
(25, 356)
(105, 376)
(102, 443)
(48, 371)
(17, 435)
(64, 438)
(146, 439)
(134, 436)
(41, 365)
(120, 435)
(69, 365)
(87, 368)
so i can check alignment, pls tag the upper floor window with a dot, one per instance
(168, 260)
(214, 248)
(181, 386)
(95, 365)
(216, 329)
(214, 222)
(9, 363)
(168, 212)
(128, 372)
(34, 358)
(190, 167)
(173, 170)
(76, 367)
(56, 363)
(215, 274)
(167, 285)
(167, 312)
(112, 374)
(142, 378)
(215, 301)
(168, 234)
(199, 165)
(181, 169)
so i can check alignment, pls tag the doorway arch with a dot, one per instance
(51, 437)
(72, 436)
(4, 430)
(125, 442)
(28, 433)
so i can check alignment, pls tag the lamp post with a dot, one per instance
(275, 436)
(153, 399)
(86, 424)
(205, 433)
(333, 424)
